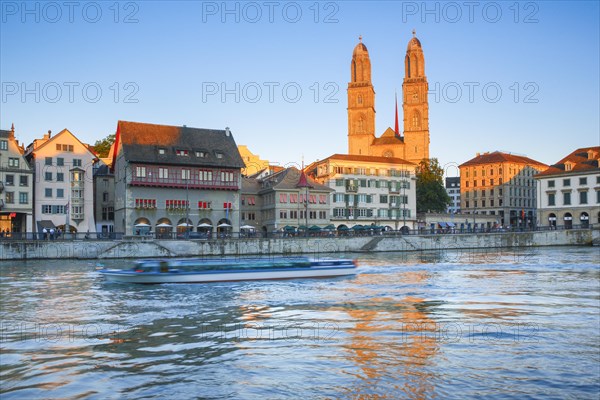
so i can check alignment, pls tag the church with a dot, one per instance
(413, 144)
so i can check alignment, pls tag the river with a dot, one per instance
(495, 323)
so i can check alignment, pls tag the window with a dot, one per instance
(567, 198)
(551, 184)
(185, 174)
(205, 175)
(583, 181)
(105, 196)
(60, 177)
(77, 162)
(23, 198)
(282, 198)
(13, 162)
(160, 151)
(48, 161)
(598, 196)
(583, 197)
(283, 214)
(551, 199)
(10, 197)
(201, 154)
(163, 173)
(48, 192)
(60, 161)
(60, 193)
(566, 182)
(48, 176)
(226, 176)
(9, 180)
(23, 180)
(219, 155)
(76, 176)
(3, 145)
(182, 153)
(140, 172)
(46, 209)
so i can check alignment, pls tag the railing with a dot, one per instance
(214, 236)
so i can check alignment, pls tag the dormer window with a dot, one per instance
(568, 166)
(219, 155)
(162, 151)
(201, 154)
(183, 153)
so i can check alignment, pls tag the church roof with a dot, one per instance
(360, 49)
(414, 43)
(388, 137)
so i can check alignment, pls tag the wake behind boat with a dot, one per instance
(206, 270)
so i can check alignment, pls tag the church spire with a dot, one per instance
(415, 105)
(361, 102)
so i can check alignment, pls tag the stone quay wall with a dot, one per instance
(319, 247)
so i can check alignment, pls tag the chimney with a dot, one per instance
(11, 134)
(477, 154)
(227, 131)
(48, 135)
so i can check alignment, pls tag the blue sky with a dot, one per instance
(168, 63)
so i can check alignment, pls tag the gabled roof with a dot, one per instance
(360, 158)
(585, 159)
(140, 142)
(289, 178)
(388, 137)
(500, 157)
(53, 138)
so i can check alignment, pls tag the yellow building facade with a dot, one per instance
(413, 145)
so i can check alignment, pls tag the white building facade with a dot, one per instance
(63, 193)
(569, 191)
(369, 190)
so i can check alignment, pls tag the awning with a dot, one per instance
(451, 224)
(46, 223)
(442, 224)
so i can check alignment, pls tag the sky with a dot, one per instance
(521, 77)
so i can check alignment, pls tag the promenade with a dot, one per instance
(321, 245)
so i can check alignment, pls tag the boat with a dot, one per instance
(223, 270)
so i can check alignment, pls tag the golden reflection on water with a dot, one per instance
(389, 338)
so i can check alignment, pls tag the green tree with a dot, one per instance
(431, 194)
(102, 147)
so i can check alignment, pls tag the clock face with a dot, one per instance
(415, 97)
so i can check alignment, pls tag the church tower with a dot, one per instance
(361, 103)
(415, 105)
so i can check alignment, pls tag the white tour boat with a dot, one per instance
(220, 270)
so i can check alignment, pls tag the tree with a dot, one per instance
(102, 147)
(431, 194)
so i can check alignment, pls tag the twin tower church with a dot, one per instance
(413, 144)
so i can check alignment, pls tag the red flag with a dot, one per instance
(397, 130)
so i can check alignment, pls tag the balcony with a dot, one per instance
(351, 188)
(394, 190)
(184, 183)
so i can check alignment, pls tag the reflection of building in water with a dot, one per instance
(391, 345)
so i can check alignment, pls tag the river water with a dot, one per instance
(448, 325)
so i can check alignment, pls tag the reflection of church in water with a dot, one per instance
(413, 145)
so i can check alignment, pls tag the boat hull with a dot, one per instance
(319, 270)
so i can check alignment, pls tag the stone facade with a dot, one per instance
(413, 146)
(569, 191)
(502, 185)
